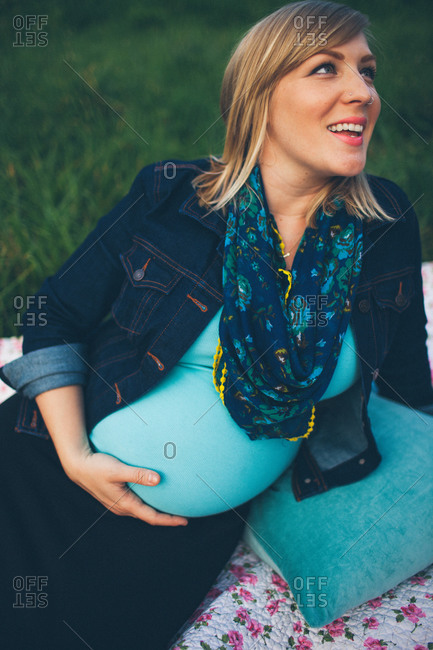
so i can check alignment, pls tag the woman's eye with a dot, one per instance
(369, 72)
(324, 68)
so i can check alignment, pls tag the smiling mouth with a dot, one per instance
(347, 128)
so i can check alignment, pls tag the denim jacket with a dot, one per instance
(131, 300)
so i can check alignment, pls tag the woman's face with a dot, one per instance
(330, 88)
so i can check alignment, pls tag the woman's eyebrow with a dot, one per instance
(338, 55)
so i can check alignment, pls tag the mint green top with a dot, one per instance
(182, 430)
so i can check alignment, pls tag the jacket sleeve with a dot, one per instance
(405, 375)
(72, 303)
(41, 370)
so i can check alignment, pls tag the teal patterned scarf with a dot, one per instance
(281, 331)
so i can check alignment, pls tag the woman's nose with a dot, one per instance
(357, 89)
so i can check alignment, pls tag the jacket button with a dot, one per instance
(400, 299)
(364, 305)
(138, 274)
(307, 480)
(361, 461)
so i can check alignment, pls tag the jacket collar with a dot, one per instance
(215, 220)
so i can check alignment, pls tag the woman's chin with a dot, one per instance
(352, 167)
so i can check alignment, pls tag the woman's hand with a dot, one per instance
(106, 478)
(101, 475)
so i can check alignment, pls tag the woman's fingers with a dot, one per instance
(133, 506)
(139, 475)
(106, 478)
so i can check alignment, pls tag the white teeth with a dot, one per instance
(346, 126)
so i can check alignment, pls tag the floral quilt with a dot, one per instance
(251, 607)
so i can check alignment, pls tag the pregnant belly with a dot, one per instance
(182, 430)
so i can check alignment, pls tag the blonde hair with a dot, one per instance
(273, 47)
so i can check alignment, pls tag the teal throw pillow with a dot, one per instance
(349, 545)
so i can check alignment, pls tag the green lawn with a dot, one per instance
(67, 156)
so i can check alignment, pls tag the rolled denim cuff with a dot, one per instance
(48, 368)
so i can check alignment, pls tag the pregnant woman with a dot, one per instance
(189, 345)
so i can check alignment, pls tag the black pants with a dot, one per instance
(74, 575)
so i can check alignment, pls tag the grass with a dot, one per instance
(67, 157)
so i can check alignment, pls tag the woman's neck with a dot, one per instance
(288, 198)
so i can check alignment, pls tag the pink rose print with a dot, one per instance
(279, 583)
(232, 588)
(235, 639)
(303, 643)
(242, 575)
(413, 613)
(373, 644)
(429, 596)
(246, 595)
(417, 580)
(242, 613)
(372, 622)
(419, 647)
(297, 626)
(336, 628)
(376, 602)
(273, 607)
(204, 617)
(238, 570)
(255, 628)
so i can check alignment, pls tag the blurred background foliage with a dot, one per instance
(66, 157)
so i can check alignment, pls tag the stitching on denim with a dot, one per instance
(408, 270)
(202, 216)
(116, 305)
(141, 305)
(151, 310)
(119, 396)
(199, 304)
(199, 281)
(119, 357)
(109, 342)
(394, 275)
(179, 166)
(181, 306)
(146, 282)
(158, 362)
(189, 203)
(390, 302)
(125, 258)
(21, 426)
(136, 372)
(144, 267)
(192, 276)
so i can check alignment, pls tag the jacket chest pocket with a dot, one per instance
(392, 296)
(148, 280)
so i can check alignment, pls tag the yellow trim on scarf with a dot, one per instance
(285, 271)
